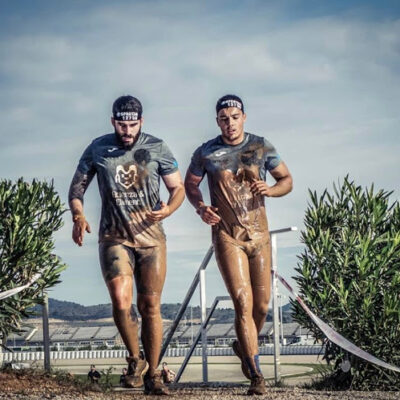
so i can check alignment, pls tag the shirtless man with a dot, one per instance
(236, 163)
(129, 164)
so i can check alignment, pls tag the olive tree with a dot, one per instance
(349, 274)
(29, 215)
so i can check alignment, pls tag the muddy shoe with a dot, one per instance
(238, 351)
(154, 385)
(136, 370)
(257, 386)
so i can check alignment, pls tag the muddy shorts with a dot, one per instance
(147, 264)
(244, 262)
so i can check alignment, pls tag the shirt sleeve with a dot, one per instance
(196, 166)
(86, 165)
(167, 163)
(83, 176)
(272, 158)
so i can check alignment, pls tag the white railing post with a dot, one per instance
(203, 305)
(46, 336)
(277, 362)
(274, 268)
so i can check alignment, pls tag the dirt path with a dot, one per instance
(36, 385)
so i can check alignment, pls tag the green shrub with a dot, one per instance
(29, 215)
(349, 274)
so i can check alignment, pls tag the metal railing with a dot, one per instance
(200, 277)
(200, 333)
(119, 355)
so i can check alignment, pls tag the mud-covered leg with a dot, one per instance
(117, 268)
(234, 267)
(260, 275)
(149, 308)
(150, 276)
(124, 315)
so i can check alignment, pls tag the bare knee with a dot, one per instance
(149, 305)
(121, 302)
(260, 309)
(120, 289)
(261, 300)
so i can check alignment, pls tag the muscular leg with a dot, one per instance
(260, 275)
(117, 271)
(150, 276)
(234, 267)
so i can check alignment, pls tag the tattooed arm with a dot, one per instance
(79, 184)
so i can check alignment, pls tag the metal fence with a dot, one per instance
(171, 352)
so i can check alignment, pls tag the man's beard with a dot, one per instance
(127, 146)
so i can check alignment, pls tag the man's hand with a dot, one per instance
(156, 216)
(208, 214)
(260, 187)
(80, 226)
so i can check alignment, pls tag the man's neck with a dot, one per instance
(235, 142)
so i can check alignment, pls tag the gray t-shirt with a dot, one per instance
(230, 171)
(129, 183)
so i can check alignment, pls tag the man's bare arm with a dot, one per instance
(207, 213)
(283, 185)
(79, 184)
(176, 190)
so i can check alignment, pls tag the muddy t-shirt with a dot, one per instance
(129, 182)
(230, 171)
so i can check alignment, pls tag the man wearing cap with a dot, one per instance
(236, 163)
(129, 164)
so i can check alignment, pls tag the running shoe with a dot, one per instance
(154, 385)
(257, 386)
(136, 370)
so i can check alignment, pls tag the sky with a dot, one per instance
(319, 79)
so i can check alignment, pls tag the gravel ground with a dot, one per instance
(214, 394)
(38, 386)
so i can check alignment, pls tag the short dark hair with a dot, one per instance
(127, 108)
(229, 100)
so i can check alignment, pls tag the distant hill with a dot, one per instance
(71, 311)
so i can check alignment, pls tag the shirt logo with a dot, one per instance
(220, 153)
(112, 149)
(126, 177)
